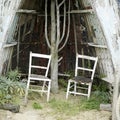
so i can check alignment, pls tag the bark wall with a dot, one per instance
(7, 14)
(96, 36)
(107, 12)
(109, 19)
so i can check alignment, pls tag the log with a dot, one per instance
(11, 107)
(106, 107)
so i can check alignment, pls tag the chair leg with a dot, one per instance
(48, 93)
(68, 88)
(75, 88)
(43, 87)
(26, 91)
(89, 90)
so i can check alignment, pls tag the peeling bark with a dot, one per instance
(108, 15)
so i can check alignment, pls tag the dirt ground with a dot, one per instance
(47, 113)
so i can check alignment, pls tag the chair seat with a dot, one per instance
(41, 77)
(82, 79)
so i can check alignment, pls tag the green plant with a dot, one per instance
(100, 85)
(13, 75)
(63, 83)
(95, 100)
(71, 73)
(36, 105)
(89, 104)
(10, 89)
(102, 96)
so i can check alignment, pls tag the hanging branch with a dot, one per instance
(64, 25)
(68, 28)
(46, 35)
(58, 24)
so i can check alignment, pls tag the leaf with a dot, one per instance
(8, 96)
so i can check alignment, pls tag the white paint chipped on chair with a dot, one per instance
(81, 80)
(46, 82)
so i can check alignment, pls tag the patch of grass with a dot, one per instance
(95, 100)
(74, 106)
(89, 104)
(36, 105)
(64, 107)
(63, 83)
(34, 95)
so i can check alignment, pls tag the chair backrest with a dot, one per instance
(39, 61)
(86, 63)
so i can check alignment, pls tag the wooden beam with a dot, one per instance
(26, 11)
(82, 11)
(97, 45)
(111, 81)
(10, 44)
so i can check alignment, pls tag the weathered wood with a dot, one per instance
(118, 108)
(97, 45)
(26, 11)
(11, 107)
(81, 11)
(106, 107)
(75, 35)
(7, 27)
(54, 51)
(18, 45)
(107, 80)
(64, 75)
(107, 12)
(10, 44)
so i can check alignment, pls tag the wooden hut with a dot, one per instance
(95, 27)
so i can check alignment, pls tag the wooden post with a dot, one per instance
(18, 46)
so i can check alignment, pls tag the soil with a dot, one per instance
(47, 113)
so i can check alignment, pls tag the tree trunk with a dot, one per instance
(56, 37)
(54, 52)
(54, 70)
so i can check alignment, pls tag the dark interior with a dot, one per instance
(32, 37)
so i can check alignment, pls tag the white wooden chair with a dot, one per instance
(81, 85)
(38, 71)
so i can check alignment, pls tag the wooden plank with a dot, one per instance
(82, 11)
(26, 11)
(96, 45)
(108, 80)
(64, 75)
(10, 44)
(106, 107)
